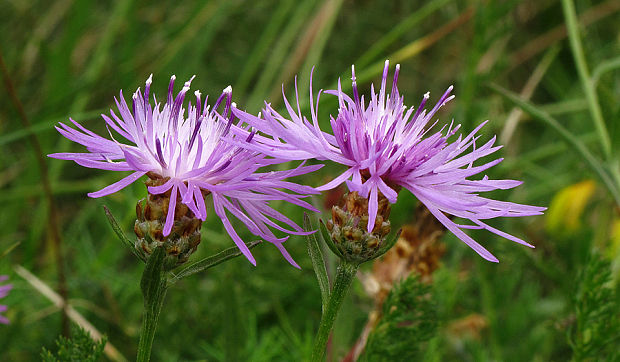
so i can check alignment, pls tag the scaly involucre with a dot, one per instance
(187, 149)
(386, 146)
(4, 291)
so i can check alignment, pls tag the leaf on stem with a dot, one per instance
(211, 261)
(318, 263)
(119, 232)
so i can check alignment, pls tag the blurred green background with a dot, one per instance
(69, 58)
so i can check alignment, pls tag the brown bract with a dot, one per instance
(355, 207)
(348, 227)
(151, 218)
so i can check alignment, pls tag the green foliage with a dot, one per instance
(79, 348)
(409, 319)
(595, 334)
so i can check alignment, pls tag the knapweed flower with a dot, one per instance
(186, 159)
(387, 146)
(4, 291)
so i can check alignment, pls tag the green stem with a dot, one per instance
(149, 326)
(582, 69)
(344, 277)
(154, 288)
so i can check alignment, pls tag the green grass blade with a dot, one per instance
(573, 141)
(278, 55)
(582, 69)
(329, 14)
(409, 22)
(45, 126)
(102, 52)
(407, 52)
(263, 46)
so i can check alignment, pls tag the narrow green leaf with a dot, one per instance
(46, 126)
(121, 235)
(211, 261)
(573, 141)
(318, 263)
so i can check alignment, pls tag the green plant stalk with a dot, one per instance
(149, 325)
(344, 277)
(582, 69)
(153, 285)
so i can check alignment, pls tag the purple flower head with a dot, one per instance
(187, 150)
(4, 291)
(387, 146)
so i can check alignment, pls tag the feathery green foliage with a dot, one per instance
(79, 348)
(408, 319)
(595, 334)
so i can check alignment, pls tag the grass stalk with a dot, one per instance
(584, 76)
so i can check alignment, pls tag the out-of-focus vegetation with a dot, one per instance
(69, 58)
(79, 347)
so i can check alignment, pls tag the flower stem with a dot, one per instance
(149, 326)
(344, 277)
(154, 288)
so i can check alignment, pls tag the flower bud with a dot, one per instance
(151, 218)
(348, 228)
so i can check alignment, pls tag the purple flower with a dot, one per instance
(4, 291)
(187, 149)
(387, 146)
